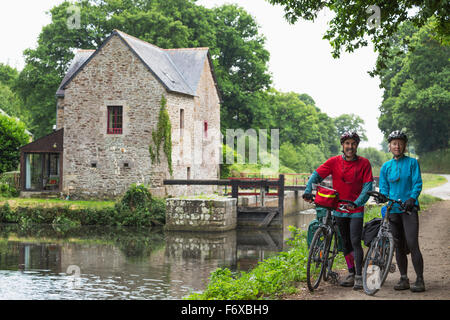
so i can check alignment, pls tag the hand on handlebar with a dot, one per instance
(308, 197)
(349, 205)
(408, 205)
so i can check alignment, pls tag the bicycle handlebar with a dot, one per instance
(377, 195)
(342, 206)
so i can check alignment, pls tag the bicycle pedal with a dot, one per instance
(334, 277)
(392, 268)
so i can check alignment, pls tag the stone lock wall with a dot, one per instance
(201, 215)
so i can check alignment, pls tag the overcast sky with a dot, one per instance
(300, 60)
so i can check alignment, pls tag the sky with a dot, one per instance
(300, 60)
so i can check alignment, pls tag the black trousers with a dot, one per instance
(405, 229)
(351, 233)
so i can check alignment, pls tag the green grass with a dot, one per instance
(432, 180)
(49, 203)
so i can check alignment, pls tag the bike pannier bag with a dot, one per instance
(320, 213)
(327, 198)
(370, 230)
(312, 228)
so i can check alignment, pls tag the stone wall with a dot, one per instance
(115, 76)
(200, 214)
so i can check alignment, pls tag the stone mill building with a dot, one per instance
(108, 106)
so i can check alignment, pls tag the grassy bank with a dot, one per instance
(136, 208)
(270, 278)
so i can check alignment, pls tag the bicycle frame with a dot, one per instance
(328, 229)
(379, 256)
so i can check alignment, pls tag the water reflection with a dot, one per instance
(125, 263)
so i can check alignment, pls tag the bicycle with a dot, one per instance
(378, 260)
(320, 262)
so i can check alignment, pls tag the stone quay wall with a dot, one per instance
(201, 214)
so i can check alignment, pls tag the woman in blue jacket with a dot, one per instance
(400, 178)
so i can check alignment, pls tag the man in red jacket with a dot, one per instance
(352, 178)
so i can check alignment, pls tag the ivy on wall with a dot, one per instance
(162, 135)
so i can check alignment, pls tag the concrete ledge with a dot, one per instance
(201, 213)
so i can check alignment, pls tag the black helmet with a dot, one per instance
(350, 135)
(397, 134)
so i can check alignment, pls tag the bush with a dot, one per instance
(138, 208)
(12, 137)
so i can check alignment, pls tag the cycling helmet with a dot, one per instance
(350, 135)
(397, 134)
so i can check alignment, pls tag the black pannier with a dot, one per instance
(370, 230)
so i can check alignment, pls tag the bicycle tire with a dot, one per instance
(316, 259)
(377, 263)
(330, 259)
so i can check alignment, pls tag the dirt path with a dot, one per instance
(434, 241)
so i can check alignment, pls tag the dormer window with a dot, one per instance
(114, 120)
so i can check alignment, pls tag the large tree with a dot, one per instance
(237, 49)
(350, 122)
(354, 22)
(417, 88)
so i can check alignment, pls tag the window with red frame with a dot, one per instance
(114, 120)
(205, 128)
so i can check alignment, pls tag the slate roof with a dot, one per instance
(178, 70)
(78, 60)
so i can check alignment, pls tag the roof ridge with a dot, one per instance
(129, 35)
(196, 48)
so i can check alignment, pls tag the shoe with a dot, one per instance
(419, 285)
(358, 285)
(348, 281)
(403, 284)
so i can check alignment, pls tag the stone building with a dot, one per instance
(108, 105)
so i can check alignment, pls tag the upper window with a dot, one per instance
(114, 120)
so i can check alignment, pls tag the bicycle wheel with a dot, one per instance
(316, 257)
(378, 262)
(331, 255)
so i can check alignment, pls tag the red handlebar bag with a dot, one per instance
(327, 198)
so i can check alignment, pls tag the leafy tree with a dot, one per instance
(12, 137)
(8, 74)
(350, 122)
(350, 29)
(237, 50)
(241, 67)
(301, 123)
(417, 88)
(11, 103)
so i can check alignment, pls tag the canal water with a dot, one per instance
(41, 262)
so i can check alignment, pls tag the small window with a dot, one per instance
(188, 173)
(126, 165)
(93, 164)
(205, 129)
(114, 120)
(181, 122)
